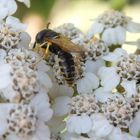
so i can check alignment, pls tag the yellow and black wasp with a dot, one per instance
(61, 46)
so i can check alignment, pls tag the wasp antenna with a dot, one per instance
(47, 26)
(34, 45)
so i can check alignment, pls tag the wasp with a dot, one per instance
(61, 46)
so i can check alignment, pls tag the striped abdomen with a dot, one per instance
(67, 66)
(66, 63)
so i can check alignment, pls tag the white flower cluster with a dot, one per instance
(24, 105)
(112, 27)
(105, 102)
(93, 96)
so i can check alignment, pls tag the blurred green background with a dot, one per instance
(43, 7)
(79, 12)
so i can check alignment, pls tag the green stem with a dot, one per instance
(113, 47)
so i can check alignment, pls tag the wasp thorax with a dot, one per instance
(22, 120)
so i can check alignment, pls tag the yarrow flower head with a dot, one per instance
(84, 105)
(9, 39)
(24, 81)
(113, 19)
(71, 32)
(128, 68)
(112, 26)
(124, 71)
(20, 123)
(23, 85)
(96, 49)
(90, 95)
(11, 35)
(119, 113)
(26, 121)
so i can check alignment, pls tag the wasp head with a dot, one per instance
(45, 34)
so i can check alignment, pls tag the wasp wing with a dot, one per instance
(66, 44)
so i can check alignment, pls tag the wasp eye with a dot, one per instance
(40, 37)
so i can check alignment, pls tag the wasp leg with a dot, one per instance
(47, 49)
(46, 52)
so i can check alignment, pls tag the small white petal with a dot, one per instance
(109, 78)
(101, 126)
(108, 36)
(116, 55)
(111, 57)
(15, 23)
(44, 79)
(135, 126)
(79, 138)
(11, 6)
(3, 13)
(26, 2)
(5, 75)
(93, 66)
(25, 40)
(42, 66)
(41, 104)
(13, 137)
(87, 83)
(9, 93)
(42, 132)
(69, 136)
(101, 95)
(76, 124)
(114, 35)
(2, 54)
(7, 7)
(129, 137)
(130, 88)
(120, 52)
(61, 105)
(120, 35)
(4, 110)
(133, 27)
(116, 134)
(95, 28)
(3, 126)
(56, 124)
(60, 90)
